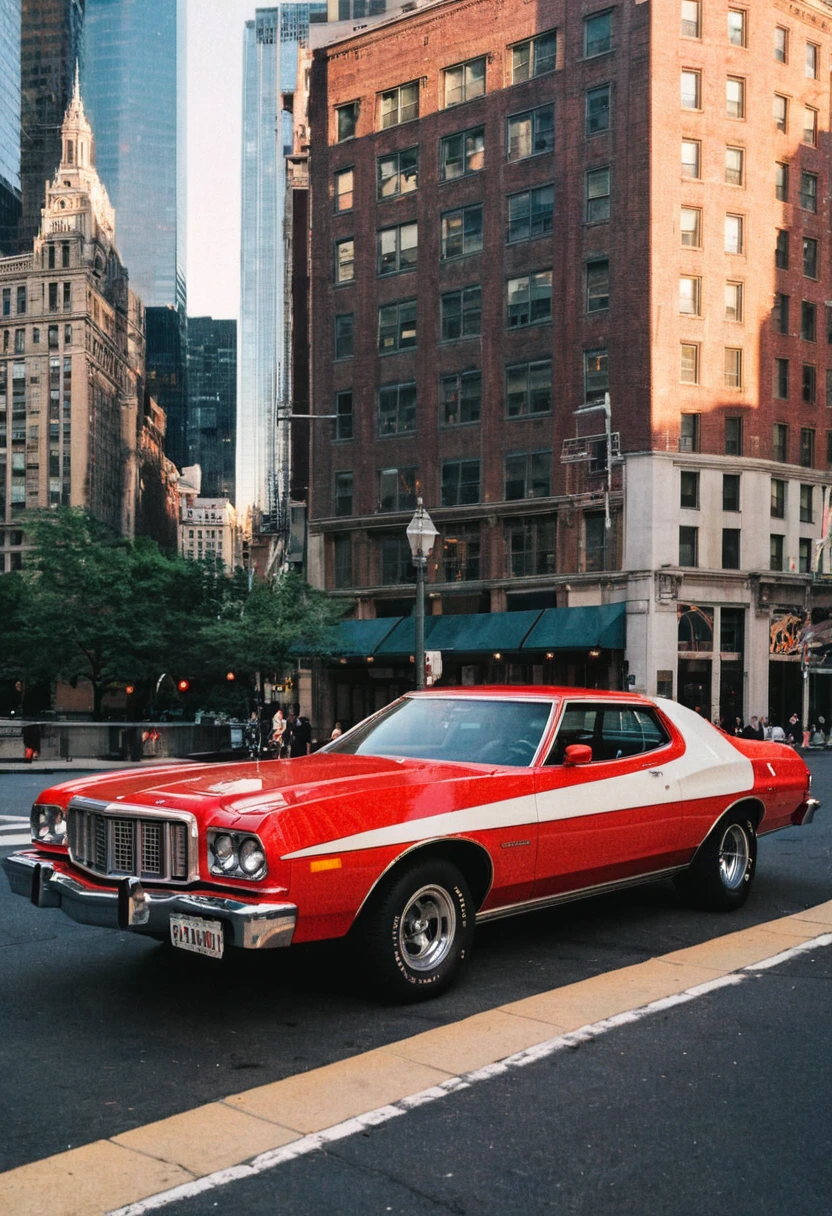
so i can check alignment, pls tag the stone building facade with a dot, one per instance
(517, 209)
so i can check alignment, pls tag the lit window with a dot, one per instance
(344, 190)
(596, 375)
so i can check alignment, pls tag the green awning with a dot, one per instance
(362, 637)
(469, 633)
(602, 625)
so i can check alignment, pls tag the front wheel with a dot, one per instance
(720, 876)
(415, 934)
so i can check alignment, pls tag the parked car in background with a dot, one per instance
(444, 809)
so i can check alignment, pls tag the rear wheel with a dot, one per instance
(414, 936)
(720, 876)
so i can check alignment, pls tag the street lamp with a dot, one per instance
(421, 534)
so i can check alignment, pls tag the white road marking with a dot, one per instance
(384, 1114)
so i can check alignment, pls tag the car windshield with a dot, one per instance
(462, 729)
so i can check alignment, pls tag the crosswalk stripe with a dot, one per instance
(6, 841)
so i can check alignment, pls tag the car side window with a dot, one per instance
(614, 732)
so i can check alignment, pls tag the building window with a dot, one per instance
(529, 299)
(530, 546)
(396, 326)
(67, 335)
(461, 553)
(530, 214)
(398, 105)
(19, 341)
(597, 34)
(736, 27)
(829, 386)
(460, 482)
(780, 442)
(596, 375)
(396, 564)
(342, 499)
(344, 189)
(53, 296)
(343, 415)
(65, 256)
(733, 234)
(810, 257)
(528, 475)
(345, 260)
(7, 300)
(397, 248)
(691, 17)
(342, 561)
(691, 89)
(21, 301)
(529, 389)
(775, 552)
(689, 295)
(460, 398)
(809, 191)
(346, 119)
(733, 367)
(781, 182)
(810, 125)
(780, 313)
(464, 81)
(691, 156)
(461, 314)
(689, 491)
(730, 492)
(397, 409)
(733, 301)
(689, 364)
(597, 284)
(598, 109)
(733, 436)
(530, 133)
(812, 61)
(67, 297)
(781, 113)
(397, 173)
(781, 250)
(781, 379)
(397, 489)
(691, 227)
(807, 447)
(730, 548)
(52, 337)
(808, 321)
(688, 546)
(344, 328)
(461, 232)
(804, 565)
(534, 57)
(735, 97)
(598, 195)
(781, 44)
(461, 154)
(807, 494)
(734, 166)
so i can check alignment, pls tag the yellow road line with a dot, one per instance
(108, 1174)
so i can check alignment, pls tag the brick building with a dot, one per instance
(516, 209)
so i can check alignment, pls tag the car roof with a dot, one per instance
(535, 691)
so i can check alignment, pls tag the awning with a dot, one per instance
(362, 637)
(602, 625)
(469, 633)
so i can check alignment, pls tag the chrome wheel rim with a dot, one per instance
(734, 854)
(427, 928)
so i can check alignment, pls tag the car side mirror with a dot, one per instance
(578, 753)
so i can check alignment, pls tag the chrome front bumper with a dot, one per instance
(131, 906)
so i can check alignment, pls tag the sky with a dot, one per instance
(214, 111)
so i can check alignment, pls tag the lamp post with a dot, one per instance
(421, 534)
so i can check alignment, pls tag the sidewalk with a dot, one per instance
(84, 764)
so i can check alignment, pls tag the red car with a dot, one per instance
(446, 808)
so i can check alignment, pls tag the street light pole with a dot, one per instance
(421, 533)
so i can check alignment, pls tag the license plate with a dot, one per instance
(200, 936)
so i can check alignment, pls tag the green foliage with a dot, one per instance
(93, 605)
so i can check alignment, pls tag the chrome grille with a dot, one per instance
(128, 845)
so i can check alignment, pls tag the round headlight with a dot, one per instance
(252, 858)
(225, 852)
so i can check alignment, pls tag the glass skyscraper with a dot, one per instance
(9, 124)
(270, 64)
(134, 92)
(212, 403)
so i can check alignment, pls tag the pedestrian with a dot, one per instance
(766, 725)
(301, 743)
(336, 731)
(794, 731)
(778, 735)
(278, 732)
(753, 730)
(737, 728)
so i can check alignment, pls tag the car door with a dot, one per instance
(616, 817)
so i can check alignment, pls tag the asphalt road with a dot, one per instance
(717, 1103)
